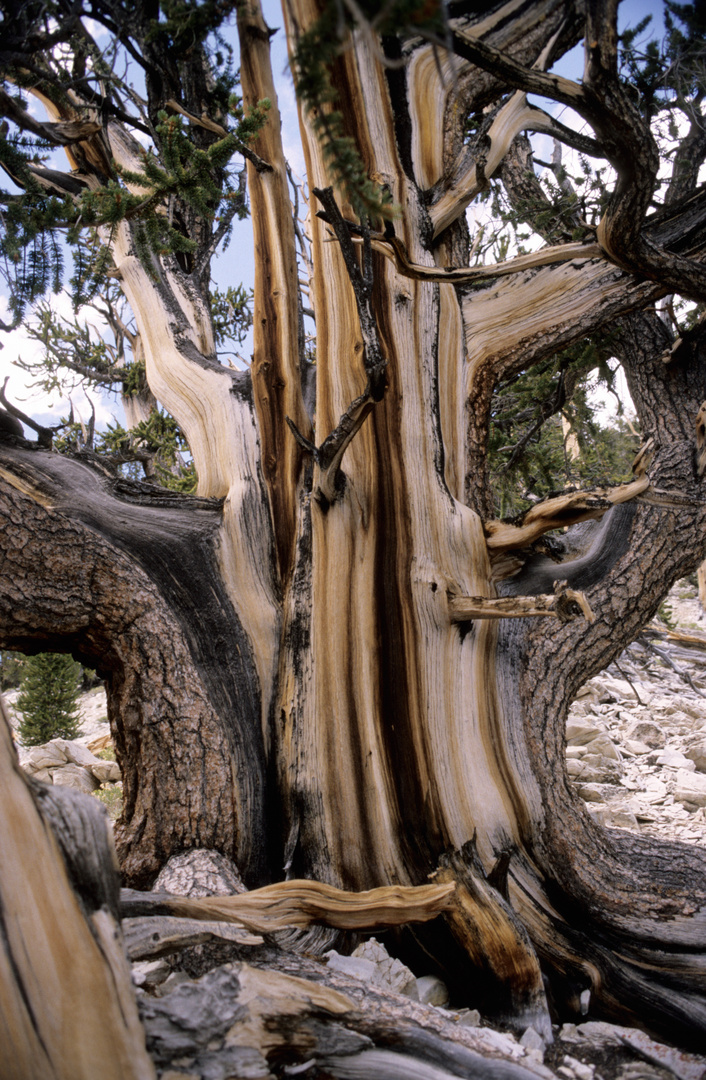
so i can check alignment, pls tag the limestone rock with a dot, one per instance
(604, 746)
(618, 818)
(73, 776)
(75, 752)
(198, 873)
(690, 788)
(432, 991)
(581, 732)
(674, 760)
(103, 742)
(106, 771)
(389, 973)
(696, 752)
(646, 731)
(48, 756)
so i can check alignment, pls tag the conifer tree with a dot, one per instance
(48, 699)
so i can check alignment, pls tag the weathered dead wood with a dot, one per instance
(284, 1010)
(150, 936)
(498, 945)
(558, 512)
(565, 604)
(301, 903)
(66, 998)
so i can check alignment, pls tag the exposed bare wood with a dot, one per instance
(558, 512)
(276, 345)
(395, 250)
(65, 985)
(301, 903)
(565, 604)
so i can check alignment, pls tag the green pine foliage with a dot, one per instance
(11, 664)
(531, 453)
(48, 698)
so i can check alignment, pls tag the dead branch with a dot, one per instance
(565, 604)
(301, 903)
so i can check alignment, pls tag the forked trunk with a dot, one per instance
(313, 671)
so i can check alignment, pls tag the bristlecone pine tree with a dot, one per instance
(333, 662)
(48, 699)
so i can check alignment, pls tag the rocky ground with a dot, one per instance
(636, 752)
(636, 735)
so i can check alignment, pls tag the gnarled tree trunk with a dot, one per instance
(310, 668)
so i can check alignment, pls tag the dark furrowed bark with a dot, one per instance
(183, 699)
(626, 914)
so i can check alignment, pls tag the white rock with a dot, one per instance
(635, 746)
(690, 788)
(618, 818)
(696, 752)
(106, 771)
(149, 973)
(581, 732)
(579, 1069)
(388, 973)
(531, 1040)
(432, 991)
(469, 1017)
(673, 759)
(352, 965)
(648, 732)
(44, 757)
(75, 752)
(73, 776)
(604, 746)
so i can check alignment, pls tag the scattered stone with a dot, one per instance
(198, 873)
(432, 991)
(102, 742)
(107, 772)
(389, 973)
(673, 759)
(616, 818)
(150, 973)
(605, 747)
(696, 752)
(44, 757)
(531, 1040)
(73, 776)
(646, 731)
(690, 788)
(581, 732)
(469, 1017)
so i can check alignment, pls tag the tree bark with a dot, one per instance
(301, 673)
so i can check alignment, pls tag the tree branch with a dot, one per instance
(566, 604)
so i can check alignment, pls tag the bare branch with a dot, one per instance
(301, 903)
(565, 604)
(45, 434)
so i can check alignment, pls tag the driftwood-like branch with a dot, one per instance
(558, 512)
(62, 133)
(395, 250)
(565, 604)
(301, 903)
